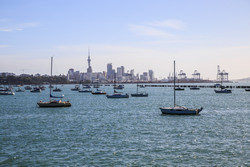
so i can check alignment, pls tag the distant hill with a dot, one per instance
(242, 80)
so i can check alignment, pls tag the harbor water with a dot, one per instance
(97, 131)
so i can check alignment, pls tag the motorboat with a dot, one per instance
(118, 95)
(7, 93)
(19, 90)
(223, 91)
(179, 88)
(42, 87)
(27, 87)
(86, 86)
(35, 90)
(98, 92)
(142, 94)
(194, 88)
(118, 86)
(85, 91)
(57, 89)
(76, 88)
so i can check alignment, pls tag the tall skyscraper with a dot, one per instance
(151, 75)
(123, 70)
(119, 73)
(109, 71)
(145, 76)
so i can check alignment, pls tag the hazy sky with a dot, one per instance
(138, 34)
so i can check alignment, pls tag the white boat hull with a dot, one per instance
(7, 93)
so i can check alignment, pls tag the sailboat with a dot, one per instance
(139, 94)
(222, 89)
(179, 110)
(178, 87)
(117, 94)
(52, 102)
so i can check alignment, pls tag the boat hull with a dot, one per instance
(51, 104)
(57, 90)
(7, 93)
(223, 91)
(84, 91)
(139, 95)
(173, 111)
(117, 96)
(36, 91)
(194, 88)
(179, 89)
(98, 93)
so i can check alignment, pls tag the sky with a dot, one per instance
(137, 34)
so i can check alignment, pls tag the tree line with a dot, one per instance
(33, 80)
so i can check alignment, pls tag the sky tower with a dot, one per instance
(89, 69)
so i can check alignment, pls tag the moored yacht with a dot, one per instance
(19, 90)
(57, 89)
(179, 110)
(35, 90)
(52, 102)
(7, 93)
(139, 94)
(98, 92)
(117, 94)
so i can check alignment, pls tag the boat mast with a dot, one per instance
(137, 87)
(114, 83)
(51, 78)
(174, 83)
(221, 82)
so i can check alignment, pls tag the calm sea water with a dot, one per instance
(97, 131)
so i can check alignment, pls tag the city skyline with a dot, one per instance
(139, 35)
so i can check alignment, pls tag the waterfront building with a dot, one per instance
(151, 75)
(70, 75)
(74, 75)
(123, 70)
(109, 71)
(119, 73)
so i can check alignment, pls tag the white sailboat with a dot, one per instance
(222, 89)
(139, 94)
(179, 110)
(117, 94)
